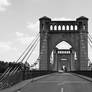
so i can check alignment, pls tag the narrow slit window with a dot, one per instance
(84, 27)
(42, 26)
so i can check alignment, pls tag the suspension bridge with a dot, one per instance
(66, 60)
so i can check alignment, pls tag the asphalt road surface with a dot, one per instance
(58, 82)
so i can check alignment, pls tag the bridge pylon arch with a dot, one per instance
(73, 32)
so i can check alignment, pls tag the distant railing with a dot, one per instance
(64, 52)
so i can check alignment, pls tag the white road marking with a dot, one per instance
(18, 90)
(62, 90)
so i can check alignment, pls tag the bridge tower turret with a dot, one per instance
(83, 44)
(44, 28)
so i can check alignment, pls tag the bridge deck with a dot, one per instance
(57, 82)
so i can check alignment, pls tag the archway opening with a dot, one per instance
(63, 45)
(61, 56)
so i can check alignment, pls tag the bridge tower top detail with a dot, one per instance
(63, 26)
(74, 32)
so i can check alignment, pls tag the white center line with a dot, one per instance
(62, 90)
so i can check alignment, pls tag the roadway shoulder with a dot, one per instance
(83, 77)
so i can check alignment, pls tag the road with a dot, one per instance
(58, 82)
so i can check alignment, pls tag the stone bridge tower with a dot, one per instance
(73, 32)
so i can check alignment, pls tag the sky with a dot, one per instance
(19, 22)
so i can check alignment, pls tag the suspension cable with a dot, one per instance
(90, 38)
(8, 69)
(29, 50)
(28, 47)
(89, 44)
(6, 73)
(9, 73)
(32, 50)
(34, 64)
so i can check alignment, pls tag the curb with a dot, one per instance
(83, 77)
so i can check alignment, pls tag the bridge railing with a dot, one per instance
(35, 73)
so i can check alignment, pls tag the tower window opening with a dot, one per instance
(76, 28)
(59, 27)
(67, 27)
(51, 27)
(63, 27)
(55, 27)
(71, 27)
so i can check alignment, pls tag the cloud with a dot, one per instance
(4, 4)
(33, 26)
(19, 34)
(6, 46)
(8, 51)
(24, 38)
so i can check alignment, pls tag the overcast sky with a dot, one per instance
(19, 21)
